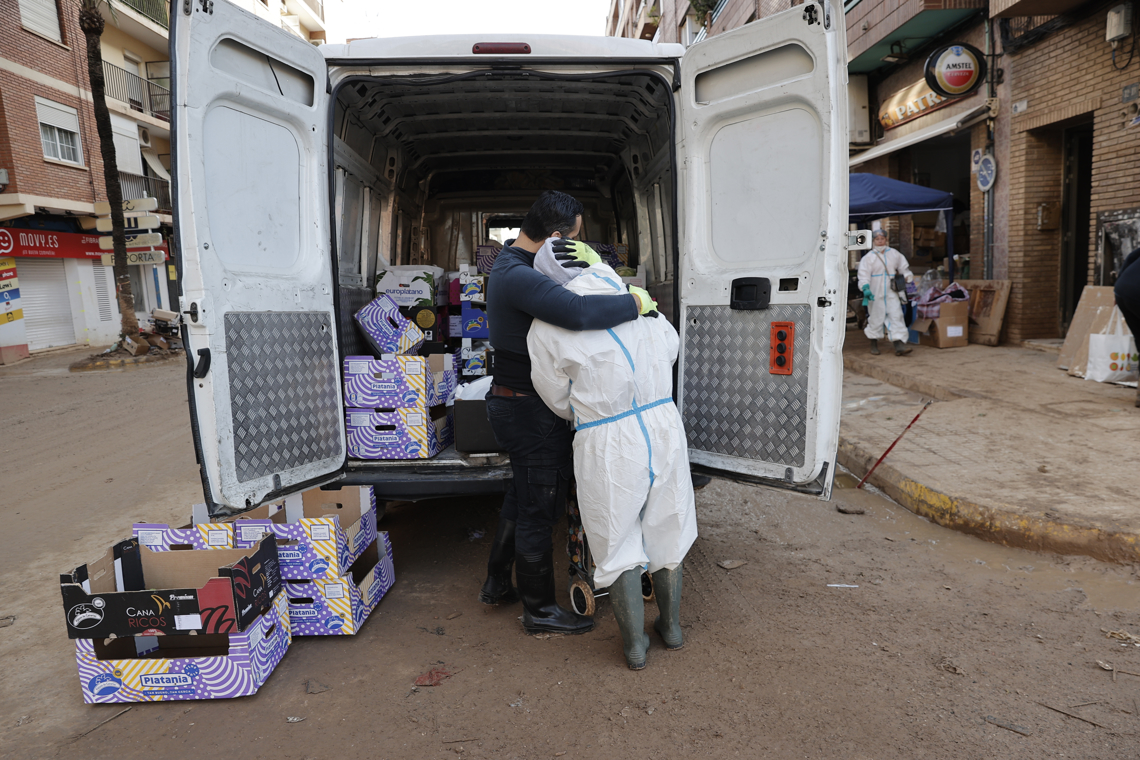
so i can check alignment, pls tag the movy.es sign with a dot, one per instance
(955, 70)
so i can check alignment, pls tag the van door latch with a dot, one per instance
(193, 312)
(750, 293)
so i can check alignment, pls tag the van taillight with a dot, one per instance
(499, 48)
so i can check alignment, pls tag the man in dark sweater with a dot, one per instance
(538, 440)
(1127, 291)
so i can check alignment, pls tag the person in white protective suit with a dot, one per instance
(631, 458)
(877, 270)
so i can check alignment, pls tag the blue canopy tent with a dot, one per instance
(873, 197)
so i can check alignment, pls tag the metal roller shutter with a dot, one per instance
(46, 304)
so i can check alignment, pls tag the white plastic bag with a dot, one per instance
(1112, 354)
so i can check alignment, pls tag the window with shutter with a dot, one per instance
(42, 17)
(59, 131)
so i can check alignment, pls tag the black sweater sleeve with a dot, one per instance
(543, 298)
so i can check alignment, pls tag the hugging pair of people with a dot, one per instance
(583, 384)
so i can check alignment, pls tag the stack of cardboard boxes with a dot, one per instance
(207, 611)
(154, 626)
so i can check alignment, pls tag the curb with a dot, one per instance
(132, 362)
(902, 380)
(988, 522)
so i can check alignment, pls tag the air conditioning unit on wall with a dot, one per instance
(144, 137)
(858, 111)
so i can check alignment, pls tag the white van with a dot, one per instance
(298, 171)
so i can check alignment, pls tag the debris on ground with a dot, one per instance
(732, 564)
(474, 534)
(454, 615)
(1071, 715)
(1125, 636)
(950, 666)
(7, 620)
(77, 737)
(435, 676)
(1007, 726)
(292, 719)
(841, 585)
(313, 686)
(438, 630)
(850, 509)
(1114, 669)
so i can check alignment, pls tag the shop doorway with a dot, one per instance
(941, 163)
(1076, 208)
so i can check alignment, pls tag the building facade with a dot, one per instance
(54, 287)
(1057, 117)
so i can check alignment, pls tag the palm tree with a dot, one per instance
(91, 23)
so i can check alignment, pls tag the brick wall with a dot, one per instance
(20, 144)
(1066, 78)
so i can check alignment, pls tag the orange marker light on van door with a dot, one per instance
(500, 48)
(781, 348)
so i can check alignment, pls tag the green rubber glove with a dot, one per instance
(867, 295)
(647, 303)
(577, 249)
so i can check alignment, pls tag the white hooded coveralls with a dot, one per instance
(876, 269)
(631, 458)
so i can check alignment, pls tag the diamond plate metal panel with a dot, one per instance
(352, 300)
(283, 391)
(732, 404)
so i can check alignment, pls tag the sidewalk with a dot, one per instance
(1013, 450)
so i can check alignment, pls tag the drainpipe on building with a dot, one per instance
(989, 194)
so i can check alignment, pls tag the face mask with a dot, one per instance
(880, 248)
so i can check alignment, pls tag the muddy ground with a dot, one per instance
(942, 641)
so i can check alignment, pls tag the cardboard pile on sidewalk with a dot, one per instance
(1096, 314)
(208, 610)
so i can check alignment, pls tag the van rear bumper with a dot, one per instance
(414, 480)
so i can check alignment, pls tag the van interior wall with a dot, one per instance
(422, 161)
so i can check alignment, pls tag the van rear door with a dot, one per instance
(252, 222)
(762, 149)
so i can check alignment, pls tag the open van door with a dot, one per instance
(762, 150)
(251, 219)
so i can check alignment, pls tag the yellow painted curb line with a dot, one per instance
(990, 523)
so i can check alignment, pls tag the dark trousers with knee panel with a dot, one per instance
(540, 445)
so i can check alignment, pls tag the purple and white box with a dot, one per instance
(390, 382)
(398, 434)
(339, 606)
(485, 256)
(161, 537)
(319, 533)
(387, 330)
(111, 670)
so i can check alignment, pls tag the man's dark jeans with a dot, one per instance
(539, 442)
(1127, 293)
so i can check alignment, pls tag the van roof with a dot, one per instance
(541, 45)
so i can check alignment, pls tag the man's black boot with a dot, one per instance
(541, 613)
(498, 589)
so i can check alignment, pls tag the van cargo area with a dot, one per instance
(429, 167)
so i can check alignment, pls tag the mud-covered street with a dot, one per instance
(850, 636)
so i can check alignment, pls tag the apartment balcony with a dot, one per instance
(147, 21)
(157, 11)
(648, 19)
(136, 186)
(310, 13)
(140, 94)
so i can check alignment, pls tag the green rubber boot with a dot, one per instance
(667, 588)
(629, 610)
(875, 347)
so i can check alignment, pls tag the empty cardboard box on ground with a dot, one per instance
(951, 329)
